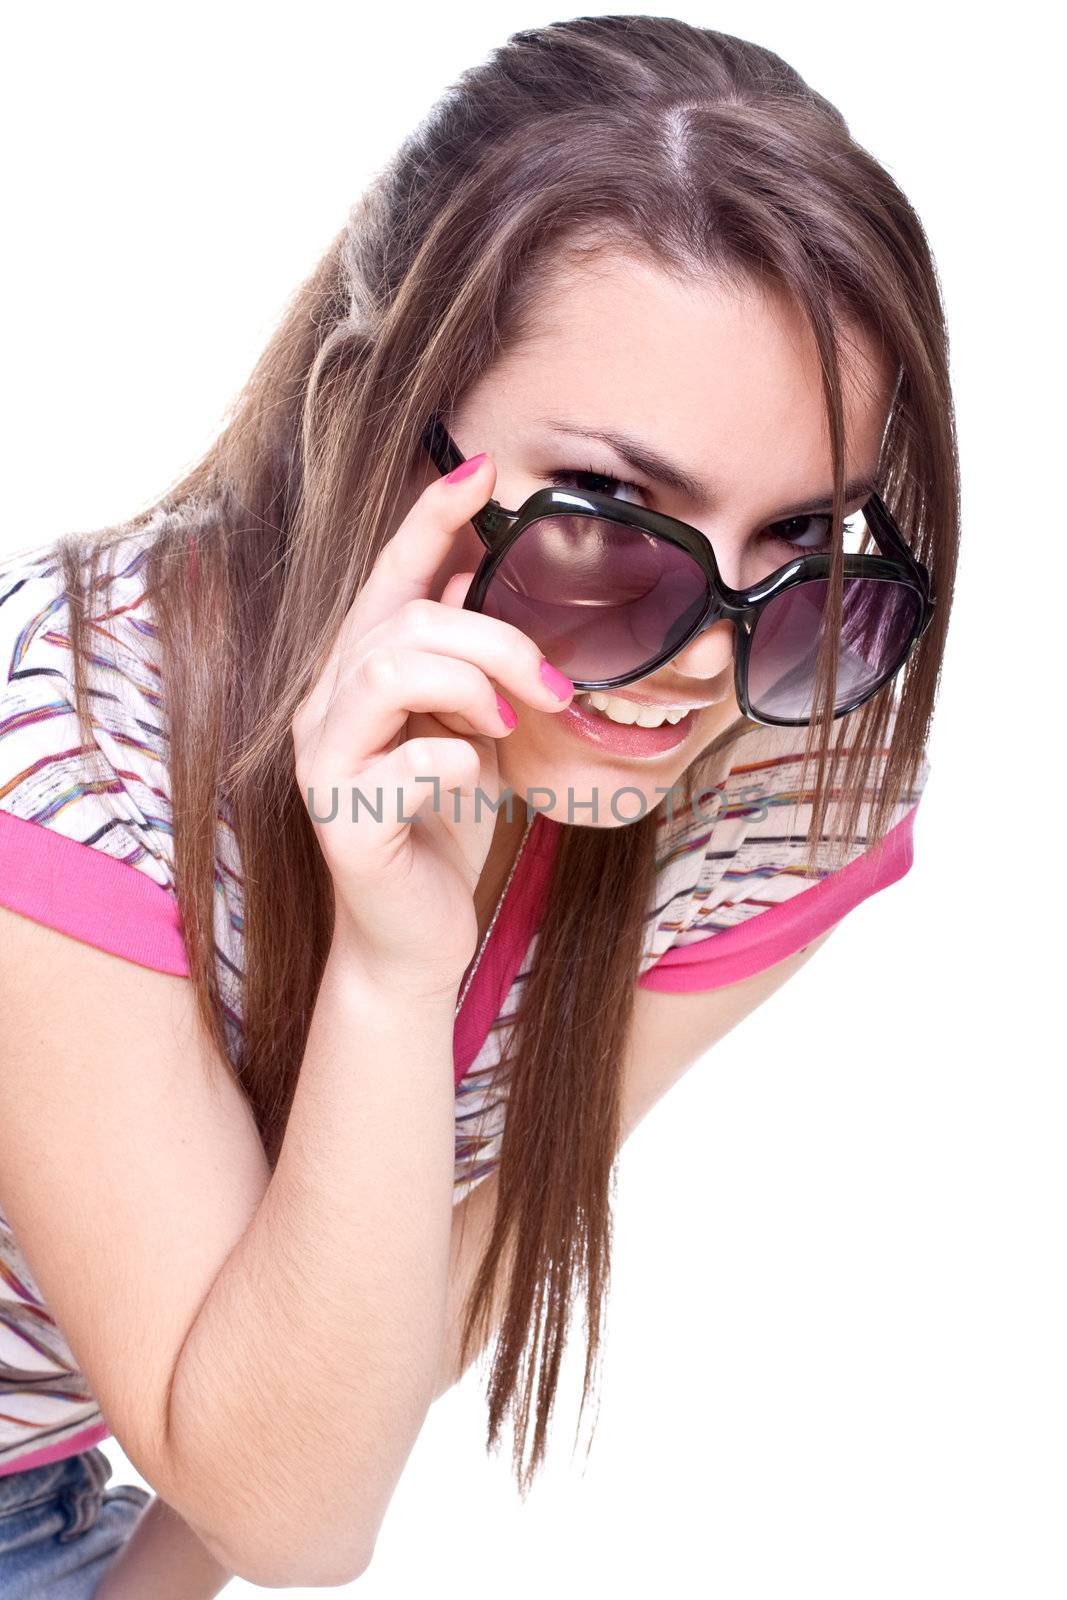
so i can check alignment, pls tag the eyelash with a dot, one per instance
(563, 479)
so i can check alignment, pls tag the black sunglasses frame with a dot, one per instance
(498, 529)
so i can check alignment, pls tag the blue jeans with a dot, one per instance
(60, 1527)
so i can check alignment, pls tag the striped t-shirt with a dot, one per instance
(86, 848)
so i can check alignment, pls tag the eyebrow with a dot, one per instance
(644, 459)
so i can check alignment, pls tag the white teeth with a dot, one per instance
(626, 711)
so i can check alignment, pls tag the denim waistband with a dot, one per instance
(77, 1481)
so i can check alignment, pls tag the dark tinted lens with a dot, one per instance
(597, 597)
(878, 620)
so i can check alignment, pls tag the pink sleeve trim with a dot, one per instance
(770, 936)
(88, 895)
(59, 1452)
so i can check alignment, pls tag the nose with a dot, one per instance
(706, 656)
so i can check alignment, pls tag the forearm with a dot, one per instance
(163, 1558)
(306, 1377)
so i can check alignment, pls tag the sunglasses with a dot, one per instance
(609, 591)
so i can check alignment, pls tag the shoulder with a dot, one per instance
(671, 1030)
(85, 823)
(735, 892)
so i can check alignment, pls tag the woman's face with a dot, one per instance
(725, 385)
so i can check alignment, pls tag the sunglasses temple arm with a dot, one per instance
(893, 542)
(440, 447)
(491, 520)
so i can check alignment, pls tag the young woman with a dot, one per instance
(622, 395)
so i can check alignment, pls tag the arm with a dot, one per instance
(669, 1033)
(163, 1558)
(305, 1379)
(263, 1345)
(667, 1039)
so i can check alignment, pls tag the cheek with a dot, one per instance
(535, 750)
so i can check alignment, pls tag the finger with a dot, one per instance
(396, 786)
(503, 652)
(406, 567)
(390, 683)
(431, 525)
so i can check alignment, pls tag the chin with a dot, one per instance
(572, 786)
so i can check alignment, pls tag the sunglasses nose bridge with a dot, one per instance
(719, 608)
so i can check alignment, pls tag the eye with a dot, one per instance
(802, 535)
(594, 482)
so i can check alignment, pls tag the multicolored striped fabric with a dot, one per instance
(732, 896)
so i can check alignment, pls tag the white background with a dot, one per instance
(836, 1334)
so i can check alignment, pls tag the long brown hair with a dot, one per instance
(691, 149)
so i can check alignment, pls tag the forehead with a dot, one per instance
(724, 377)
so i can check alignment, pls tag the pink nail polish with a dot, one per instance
(561, 686)
(465, 468)
(507, 711)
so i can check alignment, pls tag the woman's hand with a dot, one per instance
(406, 695)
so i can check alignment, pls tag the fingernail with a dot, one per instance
(507, 711)
(561, 686)
(465, 468)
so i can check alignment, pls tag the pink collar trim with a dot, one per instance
(507, 944)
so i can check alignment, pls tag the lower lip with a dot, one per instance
(625, 738)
